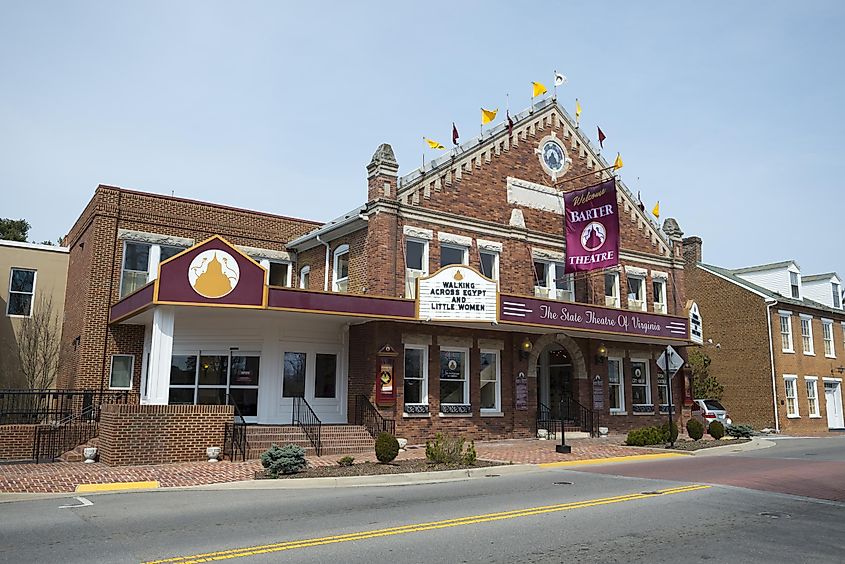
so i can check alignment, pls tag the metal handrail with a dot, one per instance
(304, 416)
(235, 439)
(54, 439)
(368, 416)
(570, 409)
(19, 406)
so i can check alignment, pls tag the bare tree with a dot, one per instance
(39, 342)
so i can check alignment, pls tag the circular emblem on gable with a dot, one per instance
(553, 156)
(593, 236)
(214, 273)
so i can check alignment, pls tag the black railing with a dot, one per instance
(51, 406)
(367, 415)
(235, 442)
(546, 420)
(570, 413)
(53, 440)
(308, 421)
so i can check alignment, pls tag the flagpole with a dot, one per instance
(556, 184)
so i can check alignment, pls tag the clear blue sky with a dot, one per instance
(730, 113)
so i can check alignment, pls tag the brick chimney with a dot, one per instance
(382, 174)
(692, 250)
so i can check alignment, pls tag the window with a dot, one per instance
(167, 251)
(325, 377)
(341, 269)
(616, 384)
(662, 388)
(120, 377)
(791, 386)
(454, 381)
(21, 292)
(278, 274)
(551, 280)
(304, 277)
(636, 293)
(136, 265)
(490, 382)
(795, 285)
(293, 384)
(640, 383)
(416, 379)
(452, 255)
(416, 264)
(786, 332)
(827, 333)
(659, 288)
(611, 289)
(207, 378)
(837, 296)
(807, 334)
(490, 264)
(812, 395)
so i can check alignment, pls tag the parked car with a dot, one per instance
(708, 410)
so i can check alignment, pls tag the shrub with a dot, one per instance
(288, 459)
(387, 447)
(664, 429)
(345, 461)
(740, 431)
(716, 430)
(645, 436)
(695, 429)
(445, 449)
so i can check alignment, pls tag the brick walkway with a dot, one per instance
(64, 477)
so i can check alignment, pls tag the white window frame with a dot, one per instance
(550, 288)
(659, 304)
(794, 285)
(424, 378)
(827, 337)
(411, 274)
(131, 371)
(32, 299)
(266, 264)
(786, 335)
(338, 282)
(455, 247)
(465, 371)
(647, 363)
(805, 339)
(495, 255)
(620, 392)
(497, 407)
(794, 398)
(643, 303)
(614, 300)
(303, 272)
(123, 268)
(812, 384)
(837, 295)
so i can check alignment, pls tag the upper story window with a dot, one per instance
(659, 288)
(136, 267)
(279, 274)
(552, 281)
(416, 264)
(340, 278)
(452, 254)
(795, 285)
(167, 251)
(827, 333)
(636, 293)
(837, 296)
(807, 334)
(489, 263)
(304, 277)
(21, 292)
(611, 289)
(786, 332)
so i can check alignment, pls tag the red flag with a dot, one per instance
(510, 123)
(455, 135)
(602, 137)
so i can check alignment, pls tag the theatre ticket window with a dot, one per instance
(206, 378)
(490, 382)
(416, 379)
(454, 380)
(641, 386)
(616, 385)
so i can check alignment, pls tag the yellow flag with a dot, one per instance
(577, 109)
(434, 144)
(539, 89)
(618, 162)
(656, 210)
(488, 115)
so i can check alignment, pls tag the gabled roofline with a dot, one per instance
(761, 267)
(826, 277)
(753, 288)
(343, 225)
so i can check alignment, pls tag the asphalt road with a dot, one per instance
(534, 517)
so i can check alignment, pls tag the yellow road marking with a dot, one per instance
(116, 486)
(612, 459)
(461, 521)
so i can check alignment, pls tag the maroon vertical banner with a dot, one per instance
(592, 227)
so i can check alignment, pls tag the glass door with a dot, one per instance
(315, 373)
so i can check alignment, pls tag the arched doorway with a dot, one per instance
(558, 364)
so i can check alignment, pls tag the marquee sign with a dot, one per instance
(457, 293)
(592, 227)
(696, 332)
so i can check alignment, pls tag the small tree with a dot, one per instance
(704, 384)
(14, 229)
(39, 342)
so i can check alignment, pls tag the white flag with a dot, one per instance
(559, 79)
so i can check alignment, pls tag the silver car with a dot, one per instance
(709, 410)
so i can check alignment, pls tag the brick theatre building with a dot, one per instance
(439, 304)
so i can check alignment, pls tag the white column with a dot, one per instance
(145, 360)
(152, 264)
(161, 350)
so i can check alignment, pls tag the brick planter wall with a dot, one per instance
(159, 434)
(16, 441)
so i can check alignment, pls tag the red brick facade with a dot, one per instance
(16, 441)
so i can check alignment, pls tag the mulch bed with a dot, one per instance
(375, 468)
(705, 443)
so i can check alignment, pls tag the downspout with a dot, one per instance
(328, 252)
(769, 306)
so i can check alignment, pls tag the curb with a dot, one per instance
(613, 459)
(117, 486)
(756, 443)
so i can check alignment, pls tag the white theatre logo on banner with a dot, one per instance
(457, 293)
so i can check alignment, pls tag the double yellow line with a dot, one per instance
(461, 521)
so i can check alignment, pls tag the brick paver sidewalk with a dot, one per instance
(64, 477)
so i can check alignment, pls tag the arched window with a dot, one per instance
(304, 277)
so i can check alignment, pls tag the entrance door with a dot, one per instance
(833, 399)
(555, 378)
(318, 374)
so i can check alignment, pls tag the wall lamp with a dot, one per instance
(601, 354)
(525, 348)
